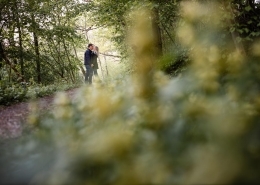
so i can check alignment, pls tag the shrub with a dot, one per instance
(195, 129)
(10, 92)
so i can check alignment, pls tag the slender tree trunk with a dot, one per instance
(37, 52)
(157, 32)
(1, 60)
(20, 40)
(68, 57)
(251, 3)
(8, 62)
(58, 60)
(10, 74)
(80, 65)
(12, 29)
(85, 26)
(106, 64)
(51, 64)
(101, 67)
(21, 50)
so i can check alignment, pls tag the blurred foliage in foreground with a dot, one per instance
(201, 128)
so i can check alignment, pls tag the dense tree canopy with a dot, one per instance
(201, 127)
(38, 40)
(241, 19)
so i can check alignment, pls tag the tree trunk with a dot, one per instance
(251, 3)
(70, 70)
(20, 40)
(8, 62)
(80, 65)
(157, 33)
(37, 52)
(106, 64)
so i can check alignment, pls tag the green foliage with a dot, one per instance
(36, 91)
(243, 21)
(199, 128)
(116, 15)
(10, 93)
(175, 62)
(239, 18)
(39, 39)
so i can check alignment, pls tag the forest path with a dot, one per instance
(13, 117)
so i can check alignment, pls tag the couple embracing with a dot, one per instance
(90, 62)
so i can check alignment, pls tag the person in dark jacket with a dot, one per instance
(94, 56)
(88, 64)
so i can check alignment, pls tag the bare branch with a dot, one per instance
(109, 55)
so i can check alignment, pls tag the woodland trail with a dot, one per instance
(13, 117)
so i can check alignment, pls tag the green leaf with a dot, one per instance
(240, 31)
(248, 8)
(232, 29)
(239, 39)
(246, 30)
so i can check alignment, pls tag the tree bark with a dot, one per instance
(37, 52)
(157, 32)
(70, 71)
(80, 65)
(20, 40)
(36, 42)
(8, 62)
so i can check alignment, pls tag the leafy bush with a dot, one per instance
(11, 92)
(41, 90)
(201, 128)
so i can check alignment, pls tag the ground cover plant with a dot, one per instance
(17, 92)
(11, 93)
(199, 128)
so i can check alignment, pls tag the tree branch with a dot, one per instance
(109, 55)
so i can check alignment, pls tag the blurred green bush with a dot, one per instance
(200, 128)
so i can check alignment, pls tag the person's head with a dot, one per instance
(96, 48)
(90, 46)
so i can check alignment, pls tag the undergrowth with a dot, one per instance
(17, 92)
(199, 128)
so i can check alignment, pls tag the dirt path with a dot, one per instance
(12, 117)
